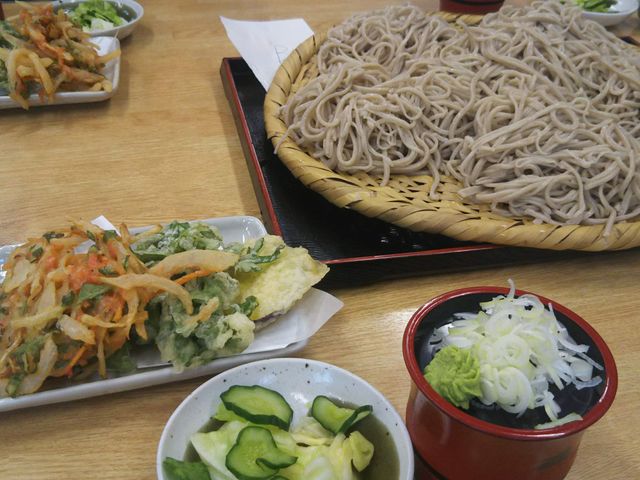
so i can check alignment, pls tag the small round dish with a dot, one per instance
(299, 381)
(494, 445)
(617, 14)
(130, 10)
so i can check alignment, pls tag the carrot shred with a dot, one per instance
(74, 360)
(118, 314)
(190, 276)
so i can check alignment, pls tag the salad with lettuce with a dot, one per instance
(601, 6)
(255, 438)
(96, 15)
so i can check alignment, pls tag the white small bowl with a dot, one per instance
(299, 381)
(121, 31)
(622, 10)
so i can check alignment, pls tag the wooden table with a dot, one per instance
(165, 147)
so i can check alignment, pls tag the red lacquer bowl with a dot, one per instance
(491, 445)
(474, 7)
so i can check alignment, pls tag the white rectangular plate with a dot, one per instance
(233, 229)
(111, 71)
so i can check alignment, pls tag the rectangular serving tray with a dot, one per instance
(151, 370)
(111, 72)
(358, 249)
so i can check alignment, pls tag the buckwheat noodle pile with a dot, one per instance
(536, 111)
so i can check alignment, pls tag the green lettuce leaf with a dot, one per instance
(213, 447)
(308, 431)
(85, 12)
(179, 470)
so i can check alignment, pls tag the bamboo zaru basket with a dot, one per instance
(404, 200)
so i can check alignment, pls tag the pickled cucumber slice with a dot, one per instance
(334, 418)
(255, 455)
(258, 405)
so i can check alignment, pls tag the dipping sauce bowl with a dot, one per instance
(489, 445)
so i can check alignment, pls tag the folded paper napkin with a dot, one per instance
(265, 45)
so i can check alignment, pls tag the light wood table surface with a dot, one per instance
(166, 147)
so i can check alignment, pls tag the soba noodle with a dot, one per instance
(536, 111)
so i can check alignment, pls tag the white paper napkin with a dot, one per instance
(300, 323)
(104, 224)
(265, 45)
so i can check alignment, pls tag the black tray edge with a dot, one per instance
(354, 271)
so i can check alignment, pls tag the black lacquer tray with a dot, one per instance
(358, 249)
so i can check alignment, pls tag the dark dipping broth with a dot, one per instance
(570, 399)
(385, 464)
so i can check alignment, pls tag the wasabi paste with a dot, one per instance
(455, 374)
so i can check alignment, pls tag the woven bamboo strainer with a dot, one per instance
(404, 201)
